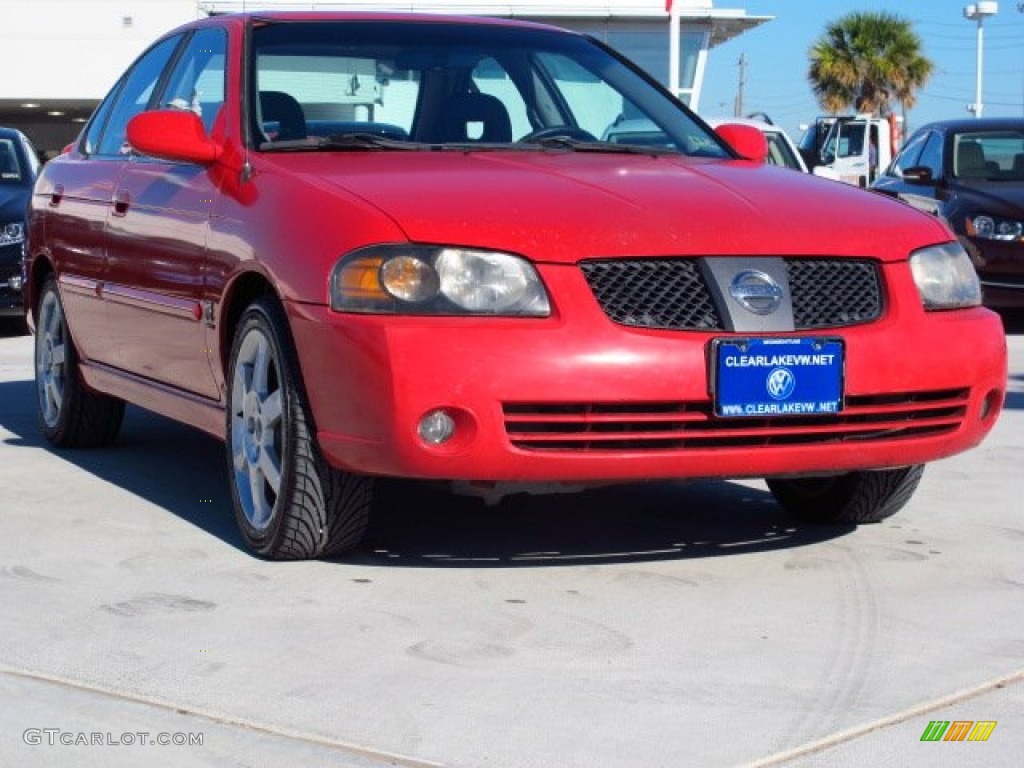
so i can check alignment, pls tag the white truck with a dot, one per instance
(841, 147)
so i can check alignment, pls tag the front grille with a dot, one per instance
(671, 294)
(829, 293)
(653, 293)
(672, 426)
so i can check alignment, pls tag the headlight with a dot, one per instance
(433, 280)
(12, 233)
(945, 277)
(992, 228)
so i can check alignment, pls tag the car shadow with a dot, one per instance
(12, 326)
(168, 464)
(426, 527)
(418, 525)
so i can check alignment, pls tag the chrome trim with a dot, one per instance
(81, 285)
(1012, 286)
(186, 309)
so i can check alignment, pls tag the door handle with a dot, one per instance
(122, 200)
(56, 195)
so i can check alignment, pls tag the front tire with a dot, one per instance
(289, 502)
(856, 497)
(70, 415)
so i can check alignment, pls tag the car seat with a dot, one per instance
(475, 117)
(283, 109)
(970, 161)
(1018, 167)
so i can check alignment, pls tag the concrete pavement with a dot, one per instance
(644, 626)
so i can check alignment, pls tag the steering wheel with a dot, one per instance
(559, 131)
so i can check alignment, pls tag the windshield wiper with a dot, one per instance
(578, 145)
(367, 140)
(363, 140)
(353, 141)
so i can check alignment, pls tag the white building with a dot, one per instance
(60, 57)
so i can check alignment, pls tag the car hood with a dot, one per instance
(13, 203)
(565, 206)
(1001, 198)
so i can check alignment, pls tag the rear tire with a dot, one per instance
(70, 415)
(856, 497)
(289, 502)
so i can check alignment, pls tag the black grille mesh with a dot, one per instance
(828, 293)
(653, 293)
(671, 293)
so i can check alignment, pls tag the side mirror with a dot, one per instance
(172, 134)
(918, 174)
(746, 140)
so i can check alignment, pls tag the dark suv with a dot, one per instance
(18, 169)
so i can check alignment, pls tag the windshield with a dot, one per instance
(10, 169)
(846, 139)
(441, 84)
(780, 151)
(990, 155)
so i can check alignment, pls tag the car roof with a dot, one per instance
(370, 16)
(962, 124)
(257, 17)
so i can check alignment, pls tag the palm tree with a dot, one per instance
(864, 59)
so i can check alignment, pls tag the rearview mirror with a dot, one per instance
(747, 141)
(172, 134)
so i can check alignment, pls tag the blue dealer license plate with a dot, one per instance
(762, 377)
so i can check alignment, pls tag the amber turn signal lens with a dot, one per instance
(360, 279)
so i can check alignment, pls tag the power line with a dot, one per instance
(963, 99)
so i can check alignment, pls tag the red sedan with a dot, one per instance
(388, 245)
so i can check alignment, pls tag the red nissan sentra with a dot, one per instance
(389, 245)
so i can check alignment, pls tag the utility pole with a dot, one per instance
(738, 106)
(1020, 9)
(977, 12)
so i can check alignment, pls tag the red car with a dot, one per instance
(387, 245)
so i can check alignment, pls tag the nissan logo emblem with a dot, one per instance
(756, 292)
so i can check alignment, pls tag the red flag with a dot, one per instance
(668, 6)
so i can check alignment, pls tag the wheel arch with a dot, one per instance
(240, 293)
(41, 269)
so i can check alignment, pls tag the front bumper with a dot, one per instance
(11, 302)
(1000, 267)
(577, 398)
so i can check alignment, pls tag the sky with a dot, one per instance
(777, 59)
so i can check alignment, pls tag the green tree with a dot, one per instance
(863, 60)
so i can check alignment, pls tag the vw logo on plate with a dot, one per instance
(756, 292)
(780, 383)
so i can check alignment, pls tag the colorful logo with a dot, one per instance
(780, 383)
(958, 730)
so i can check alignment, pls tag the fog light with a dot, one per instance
(14, 283)
(436, 428)
(992, 404)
